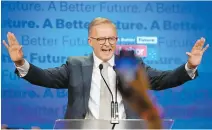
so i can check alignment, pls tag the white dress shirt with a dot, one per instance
(94, 98)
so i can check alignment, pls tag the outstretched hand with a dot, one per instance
(14, 49)
(195, 56)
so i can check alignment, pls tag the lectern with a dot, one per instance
(105, 124)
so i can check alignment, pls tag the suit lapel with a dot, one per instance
(87, 69)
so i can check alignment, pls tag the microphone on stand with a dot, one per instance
(116, 102)
(112, 102)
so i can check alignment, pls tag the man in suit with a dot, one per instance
(81, 75)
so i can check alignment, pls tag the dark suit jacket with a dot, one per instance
(76, 75)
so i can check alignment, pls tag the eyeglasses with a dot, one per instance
(102, 40)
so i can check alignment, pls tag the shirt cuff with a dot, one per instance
(23, 70)
(191, 72)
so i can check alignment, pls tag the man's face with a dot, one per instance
(103, 39)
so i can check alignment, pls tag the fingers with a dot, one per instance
(202, 41)
(141, 83)
(204, 49)
(5, 44)
(14, 38)
(199, 43)
(11, 38)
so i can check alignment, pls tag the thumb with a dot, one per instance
(189, 54)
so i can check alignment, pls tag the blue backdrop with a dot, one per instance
(52, 31)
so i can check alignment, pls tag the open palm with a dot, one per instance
(195, 56)
(14, 48)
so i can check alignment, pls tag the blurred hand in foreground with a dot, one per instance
(133, 86)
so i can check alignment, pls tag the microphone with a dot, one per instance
(112, 102)
(116, 102)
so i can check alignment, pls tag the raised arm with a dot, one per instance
(51, 78)
(161, 80)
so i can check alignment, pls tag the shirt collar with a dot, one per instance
(98, 61)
